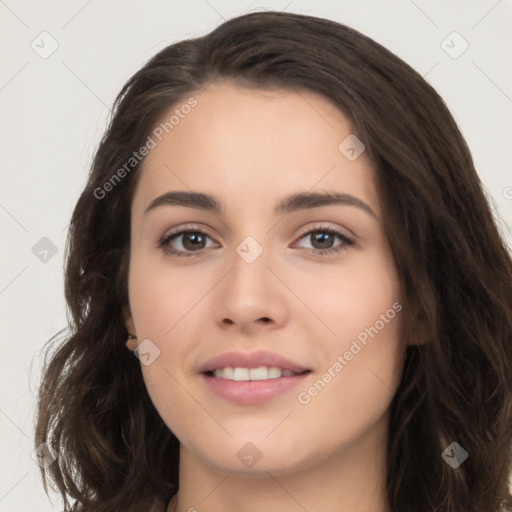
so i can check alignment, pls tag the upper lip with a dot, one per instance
(250, 360)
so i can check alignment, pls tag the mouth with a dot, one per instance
(251, 378)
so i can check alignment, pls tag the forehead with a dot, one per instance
(254, 144)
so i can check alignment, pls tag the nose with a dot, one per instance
(251, 297)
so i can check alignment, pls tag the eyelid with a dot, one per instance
(318, 225)
(179, 231)
(328, 227)
(346, 236)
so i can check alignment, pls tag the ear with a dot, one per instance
(131, 343)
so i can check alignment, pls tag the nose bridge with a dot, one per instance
(250, 273)
(250, 290)
(250, 249)
(252, 238)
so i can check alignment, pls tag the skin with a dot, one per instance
(250, 148)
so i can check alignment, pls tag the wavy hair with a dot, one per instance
(115, 452)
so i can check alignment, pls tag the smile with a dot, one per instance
(250, 378)
(245, 374)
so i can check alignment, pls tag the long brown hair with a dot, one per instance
(115, 452)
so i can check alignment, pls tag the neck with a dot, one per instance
(350, 479)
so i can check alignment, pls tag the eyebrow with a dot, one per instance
(291, 203)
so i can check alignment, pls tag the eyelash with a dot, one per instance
(165, 239)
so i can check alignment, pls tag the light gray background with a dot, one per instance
(53, 112)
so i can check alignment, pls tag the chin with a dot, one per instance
(257, 457)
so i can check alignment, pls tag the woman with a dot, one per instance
(287, 290)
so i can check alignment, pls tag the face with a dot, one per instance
(264, 334)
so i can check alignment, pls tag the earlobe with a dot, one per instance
(131, 342)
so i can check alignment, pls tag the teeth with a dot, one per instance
(245, 374)
(240, 373)
(260, 373)
(274, 373)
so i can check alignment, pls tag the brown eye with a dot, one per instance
(322, 240)
(186, 241)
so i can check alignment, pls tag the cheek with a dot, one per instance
(162, 297)
(364, 356)
(353, 298)
(166, 309)
(356, 387)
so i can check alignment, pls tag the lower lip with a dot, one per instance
(251, 392)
